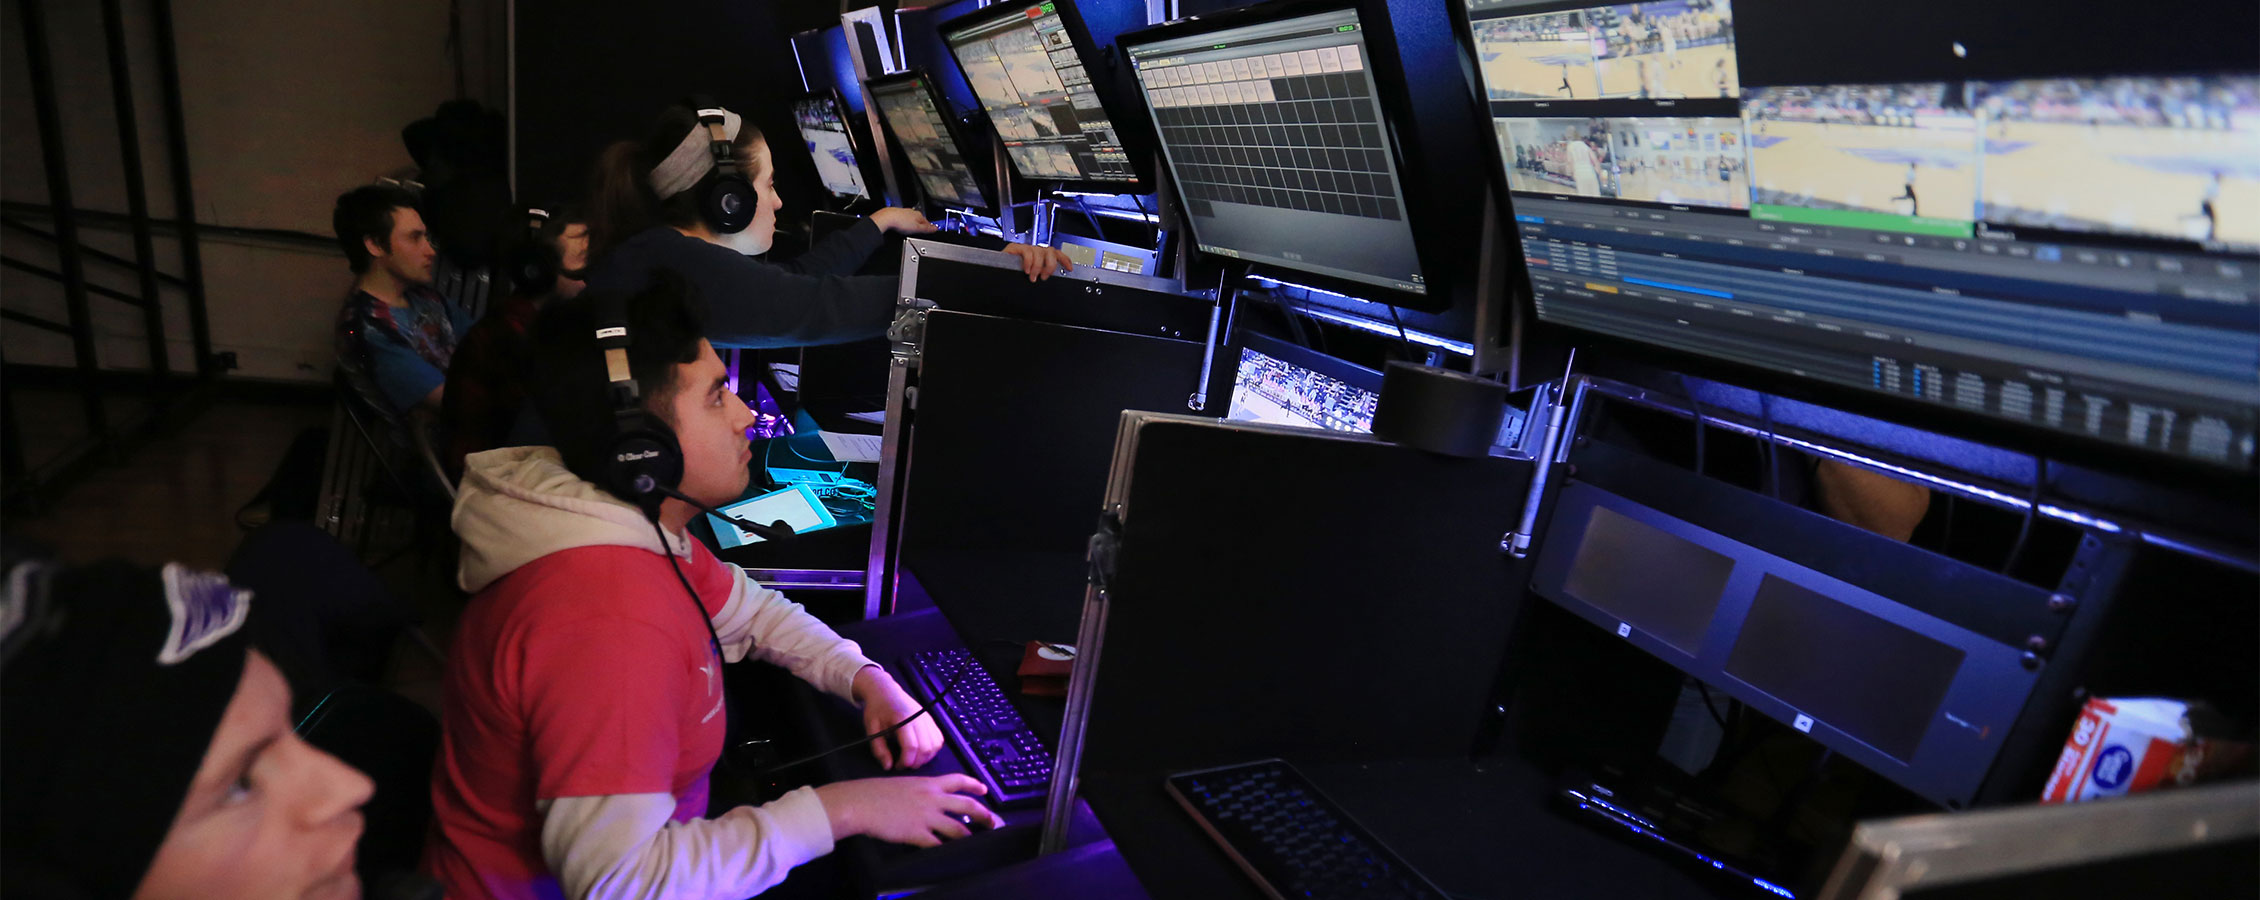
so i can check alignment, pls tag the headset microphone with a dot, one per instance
(776, 530)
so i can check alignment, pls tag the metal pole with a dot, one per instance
(184, 190)
(53, 156)
(137, 196)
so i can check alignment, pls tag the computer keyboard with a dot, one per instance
(982, 725)
(1291, 839)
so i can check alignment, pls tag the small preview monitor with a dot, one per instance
(797, 506)
(1278, 383)
(1275, 136)
(1029, 62)
(2007, 239)
(824, 128)
(920, 121)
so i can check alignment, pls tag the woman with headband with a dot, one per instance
(678, 200)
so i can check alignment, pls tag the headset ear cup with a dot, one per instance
(729, 203)
(644, 458)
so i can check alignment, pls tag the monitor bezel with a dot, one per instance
(1106, 81)
(1392, 94)
(986, 181)
(863, 155)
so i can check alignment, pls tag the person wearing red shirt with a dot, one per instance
(583, 709)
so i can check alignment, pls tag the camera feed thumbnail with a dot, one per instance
(1675, 49)
(1903, 150)
(1680, 161)
(1548, 57)
(1274, 392)
(1557, 156)
(1695, 162)
(2163, 157)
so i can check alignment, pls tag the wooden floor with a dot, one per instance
(172, 498)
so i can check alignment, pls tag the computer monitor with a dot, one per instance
(1031, 64)
(2022, 224)
(2185, 842)
(1271, 123)
(1907, 694)
(1278, 383)
(921, 123)
(824, 128)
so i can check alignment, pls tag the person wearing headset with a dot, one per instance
(484, 394)
(149, 750)
(583, 708)
(698, 197)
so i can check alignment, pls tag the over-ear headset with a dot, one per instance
(726, 200)
(642, 461)
(535, 264)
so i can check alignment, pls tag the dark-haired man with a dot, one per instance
(583, 704)
(395, 334)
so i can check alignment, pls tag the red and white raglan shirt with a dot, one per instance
(583, 707)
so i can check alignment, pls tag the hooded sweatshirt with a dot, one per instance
(583, 706)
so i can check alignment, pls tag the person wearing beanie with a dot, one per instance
(146, 749)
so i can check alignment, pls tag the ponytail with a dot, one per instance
(620, 201)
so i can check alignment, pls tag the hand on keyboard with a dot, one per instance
(885, 705)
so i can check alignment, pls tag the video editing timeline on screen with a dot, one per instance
(2029, 241)
(1276, 138)
(913, 112)
(1038, 91)
(825, 132)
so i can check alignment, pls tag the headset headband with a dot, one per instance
(694, 157)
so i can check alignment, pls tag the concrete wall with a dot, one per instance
(287, 104)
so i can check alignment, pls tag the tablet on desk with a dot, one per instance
(796, 506)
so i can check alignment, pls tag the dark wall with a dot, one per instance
(592, 72)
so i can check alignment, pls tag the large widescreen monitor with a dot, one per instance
(920, 121)
(823, 127)
(1272, 126)
(2030, 214)
(1030, 63)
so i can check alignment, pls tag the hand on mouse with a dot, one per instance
(922, 812)
(884, 704)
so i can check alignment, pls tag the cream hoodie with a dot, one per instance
(519, 504)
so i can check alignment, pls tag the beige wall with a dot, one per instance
(287, 105)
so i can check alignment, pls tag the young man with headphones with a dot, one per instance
(698, 197)
(583, 705)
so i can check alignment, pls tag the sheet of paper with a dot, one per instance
(875, 417)
(852, 447)
(788, 375)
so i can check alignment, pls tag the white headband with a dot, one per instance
(692, 158)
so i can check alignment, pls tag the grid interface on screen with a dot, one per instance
(1295, 130)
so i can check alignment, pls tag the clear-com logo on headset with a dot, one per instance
(633, 456)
